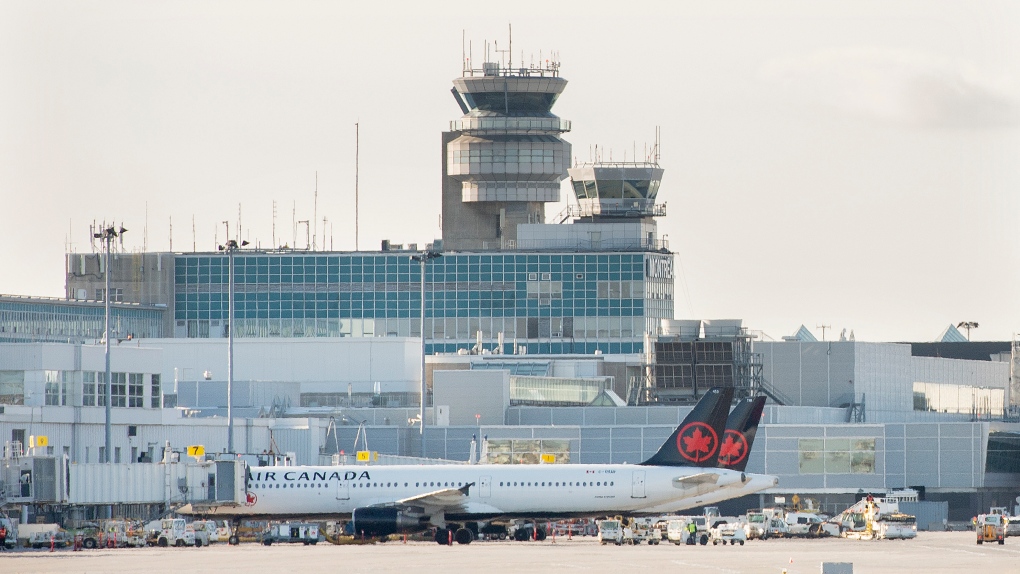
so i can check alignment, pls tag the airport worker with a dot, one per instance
(692, 530)
(3, 538)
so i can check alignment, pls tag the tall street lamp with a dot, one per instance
(230, 247)
(423, 258)
(107, 236)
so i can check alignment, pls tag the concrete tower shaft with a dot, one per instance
(504, 159)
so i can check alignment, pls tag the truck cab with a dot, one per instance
(610, 531)
(991, 528)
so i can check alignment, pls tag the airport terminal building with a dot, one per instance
(542, 334)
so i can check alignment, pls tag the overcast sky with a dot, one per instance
(852, 164)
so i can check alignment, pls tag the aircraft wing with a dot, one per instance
(447, 499)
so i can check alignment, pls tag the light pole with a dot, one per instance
(423, 258)
(968, 325)
(230, 247)
(107, 235)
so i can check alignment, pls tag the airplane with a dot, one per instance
(384, 500)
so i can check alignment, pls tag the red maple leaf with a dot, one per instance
(730, 449)
(697, 442)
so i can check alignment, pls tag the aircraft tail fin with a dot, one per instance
(741, 427)
(696, 441)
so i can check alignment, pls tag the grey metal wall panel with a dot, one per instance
(956, 444)
(665, 416)
(921, 430)
(956, 480)
(779, 444)
(853, 431)
(894, 462)
(799, 431)
(626, 432)
(931, 515)
(599, 416)
(598, 445)
(558, 432)
(782, 463)
(956, 430)
(793, 482)
(595, 432)
(627, 445)
(535, 416)
(633, 416)
(626, 457)
(568, 416)
(922, 467)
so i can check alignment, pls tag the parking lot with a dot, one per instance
(930, 552)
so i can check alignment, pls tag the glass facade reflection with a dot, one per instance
(546, 302)
(959, 399)
(39, 319)
(837, 455)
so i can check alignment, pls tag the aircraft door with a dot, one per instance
(638, 484)
(343, 489)
(484, 486)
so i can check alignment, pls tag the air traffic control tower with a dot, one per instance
(504, 159)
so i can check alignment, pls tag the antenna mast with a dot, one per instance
(315, 208)
(357, 163)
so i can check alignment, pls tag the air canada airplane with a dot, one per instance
(689, 470)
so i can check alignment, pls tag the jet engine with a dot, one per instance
(371, 521)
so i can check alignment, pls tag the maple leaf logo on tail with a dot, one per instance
(733, 448)
(697, 442)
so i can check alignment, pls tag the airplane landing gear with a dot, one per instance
(463, 536)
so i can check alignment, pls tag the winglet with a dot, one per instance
(696, 441)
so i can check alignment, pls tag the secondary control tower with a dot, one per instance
(504, 159)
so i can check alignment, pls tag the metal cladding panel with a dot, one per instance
(620, 433)
(782, 463)
(632, 416)
(44, 479)
(930, 515)
(599, 416)
(568, 416)
(118, 483)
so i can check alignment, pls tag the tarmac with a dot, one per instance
(954, 552)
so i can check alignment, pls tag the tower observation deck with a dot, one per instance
(504, 158)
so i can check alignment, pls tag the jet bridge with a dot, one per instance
(204, 482)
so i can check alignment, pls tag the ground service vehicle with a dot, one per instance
(12, 531)
(809, 525)
(991, 528)
(610, 531)
(302, 532)
(683, 473)
(642, 532)
(876, 518)
(175, 532)
(732, 532)
(755, 525)
(45, 539)
(678, 530)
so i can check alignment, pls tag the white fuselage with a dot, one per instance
(495, 490)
